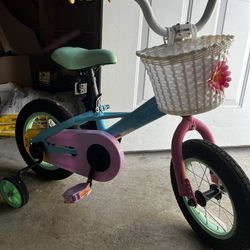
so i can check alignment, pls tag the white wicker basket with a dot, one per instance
(179, 73)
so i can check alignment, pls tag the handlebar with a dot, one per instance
(163, 31)
(152, 22)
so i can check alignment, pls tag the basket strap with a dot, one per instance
(179, 32)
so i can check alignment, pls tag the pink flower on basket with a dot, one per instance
(220, 77)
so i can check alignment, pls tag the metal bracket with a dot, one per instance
(80, 88)
(179, 32)
(183, 30)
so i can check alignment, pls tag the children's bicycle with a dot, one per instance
(188, 75)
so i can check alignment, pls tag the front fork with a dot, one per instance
(187, 124)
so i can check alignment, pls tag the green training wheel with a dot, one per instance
(14, 191)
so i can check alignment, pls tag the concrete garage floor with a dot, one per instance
(137, 210)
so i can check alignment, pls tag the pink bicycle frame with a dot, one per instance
(188, 123)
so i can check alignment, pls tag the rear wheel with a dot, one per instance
(32, 119)
(222, 190)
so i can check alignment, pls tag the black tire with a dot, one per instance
(234, 190)
(29, 111)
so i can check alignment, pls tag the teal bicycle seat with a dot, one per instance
(75, 58)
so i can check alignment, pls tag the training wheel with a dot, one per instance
(14, 191)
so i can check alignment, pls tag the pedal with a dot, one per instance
(76, 193)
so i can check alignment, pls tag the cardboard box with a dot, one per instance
(15, 69)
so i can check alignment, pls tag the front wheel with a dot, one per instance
(222, 190)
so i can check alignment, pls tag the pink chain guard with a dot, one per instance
(81, 140)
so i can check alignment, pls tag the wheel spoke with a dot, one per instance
(194, 174)
(219, 203)
(209, 214)
(223, 208)
(218, 221)
(225, 211)
(208, 180)
(202, 178)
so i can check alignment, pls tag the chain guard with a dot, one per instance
(83, 141)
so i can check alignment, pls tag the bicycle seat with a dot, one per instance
(75, 58)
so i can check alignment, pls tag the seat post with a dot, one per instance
(91, 101)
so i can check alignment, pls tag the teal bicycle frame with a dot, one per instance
(129, 122)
